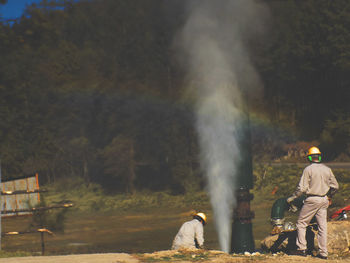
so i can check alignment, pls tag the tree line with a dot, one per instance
(93, 89)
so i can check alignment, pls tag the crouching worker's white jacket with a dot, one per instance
(187, 234)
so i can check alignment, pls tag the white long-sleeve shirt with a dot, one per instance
(188, 232)
(316, 179)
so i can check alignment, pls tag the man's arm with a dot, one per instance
(333, 185)
(301, 188)
(199, 236)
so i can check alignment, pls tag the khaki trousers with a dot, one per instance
(313, 206)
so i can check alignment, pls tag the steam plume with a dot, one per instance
(219, 70)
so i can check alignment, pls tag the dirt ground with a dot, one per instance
(205, 256)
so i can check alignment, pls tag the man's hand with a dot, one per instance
(329, 201)
(290, 199)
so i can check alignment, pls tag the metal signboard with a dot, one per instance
(24, 199)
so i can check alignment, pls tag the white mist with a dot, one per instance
(219, 69)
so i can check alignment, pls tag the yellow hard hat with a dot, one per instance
(313, 150)
(203, 216)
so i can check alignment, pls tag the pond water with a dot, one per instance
(130, 232)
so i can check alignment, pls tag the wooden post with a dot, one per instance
(37, 185)
(42, 243)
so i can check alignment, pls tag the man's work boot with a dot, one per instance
(298, 253)
(321, 257)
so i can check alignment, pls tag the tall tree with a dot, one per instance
(119, 163)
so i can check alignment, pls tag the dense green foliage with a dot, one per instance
(306, 72)
(93, 90)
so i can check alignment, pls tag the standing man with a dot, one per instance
(190, 234)
(318, 183)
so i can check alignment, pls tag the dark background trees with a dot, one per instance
(92, 89)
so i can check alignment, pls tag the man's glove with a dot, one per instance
(292, 208)
(290, 199)
(331, 192)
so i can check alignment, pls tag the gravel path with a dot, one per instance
(83, 258)
(157, 257)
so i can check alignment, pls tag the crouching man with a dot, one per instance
(191, 234)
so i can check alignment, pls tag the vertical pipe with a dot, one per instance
(242, 231)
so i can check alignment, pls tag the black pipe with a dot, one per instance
(242, 230)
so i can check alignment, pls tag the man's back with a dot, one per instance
(187, 234)
(317, 178)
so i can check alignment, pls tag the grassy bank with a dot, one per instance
(92, 198)
(270, 183)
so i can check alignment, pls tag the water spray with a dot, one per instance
(221, 76)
